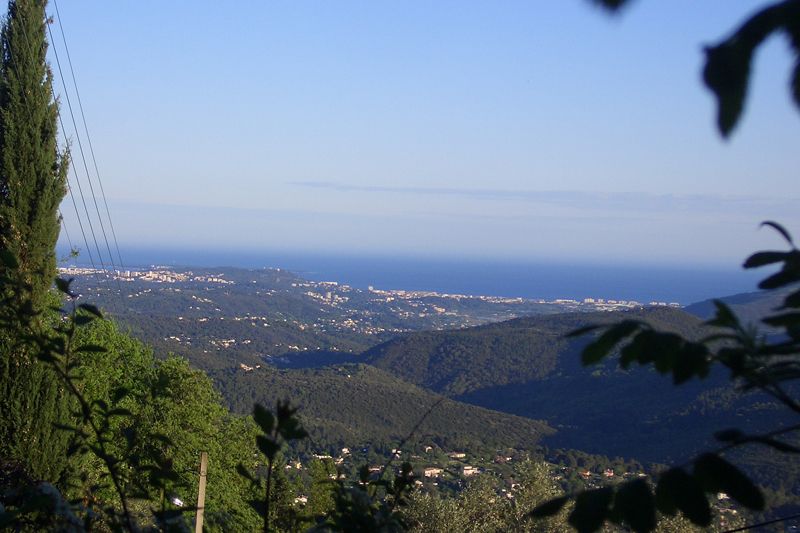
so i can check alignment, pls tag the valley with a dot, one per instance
(365, 366)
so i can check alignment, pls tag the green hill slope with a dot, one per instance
(350, 405)
(751, 307)
(516, 351)
(528, 368)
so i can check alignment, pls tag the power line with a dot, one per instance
(88, 137)
(69, 189)
(77, 179)
(80, 149)
(80, 224)
(64, 226)
(762, 524)
(86, 210)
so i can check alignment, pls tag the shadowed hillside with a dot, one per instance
(349, 404)
(512, 352)
(528, 367)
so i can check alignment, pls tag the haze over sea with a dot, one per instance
(521, 278)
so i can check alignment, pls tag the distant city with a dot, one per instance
(328, 291)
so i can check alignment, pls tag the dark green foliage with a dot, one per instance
(32, 184)
(32, 172)
(536, 373)
(611, 5)
(754, 361)
(591, 509)
(31, 404)
(728, 64)
(718, 475)
(137, 432)
(364, 505)
(667, 352)
(352, 404)
(322, 489)
(274, 312)
(458, 362)
(679, 491)
(634, 504)
(277, 430)
(485, 505)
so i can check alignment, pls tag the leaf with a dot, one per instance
(724, 316)
(718, 475)
(264, 418)
(781, 370)
(82, 320)
(245, 473)
(46, 357)
(795, 84)
(364, 474)
(679, 491)
(779, 279)
(663, 350)
(92, 348)
(727, 73)
(611, 5)
(727, 69)
(89, 308)
(160, 437)
(167, 517)
(267, 446)
(119, 393)
(294, 433)
(598, 349)
(781, 446)
(549, 508)
(285, 413)
(634, 350)
(258, 506)
(765, 258)
(591, 509)
(792, 301)
(635, 504)
(63, 286)
(785, 320)
(8, 259)
(582, 331)
(780, 229)
(691, 360)
(728, 435)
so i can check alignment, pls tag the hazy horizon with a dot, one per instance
(455, 129)
(531, 278)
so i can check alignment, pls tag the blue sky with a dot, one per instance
(525, 130)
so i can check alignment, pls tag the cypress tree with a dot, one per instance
(32, 184)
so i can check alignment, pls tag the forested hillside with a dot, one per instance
(223, 316)
(751, 307)
(515, 351)
(529, 368)
(354, 405)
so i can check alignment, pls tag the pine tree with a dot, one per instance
(32, 184)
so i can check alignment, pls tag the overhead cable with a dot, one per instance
(80, 149)
(69, 189)
(77, 179)
(88, 137)
(64, 227)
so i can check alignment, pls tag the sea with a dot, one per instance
(535, 279)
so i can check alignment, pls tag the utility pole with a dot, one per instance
(201, 493)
